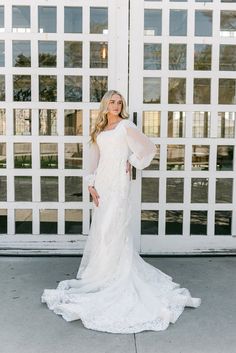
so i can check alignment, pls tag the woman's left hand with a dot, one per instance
(128, 168)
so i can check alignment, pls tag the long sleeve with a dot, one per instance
(94, 156)
(142, 148)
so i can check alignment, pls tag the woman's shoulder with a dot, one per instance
(128, 123)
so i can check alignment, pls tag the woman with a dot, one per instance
(115, 290)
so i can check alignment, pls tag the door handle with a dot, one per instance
(133, 168)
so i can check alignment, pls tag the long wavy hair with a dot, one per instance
(102, 119)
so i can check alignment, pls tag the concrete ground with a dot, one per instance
(28, 326)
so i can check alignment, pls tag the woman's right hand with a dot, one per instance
(94, 194)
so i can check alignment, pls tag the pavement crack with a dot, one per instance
(135, 343)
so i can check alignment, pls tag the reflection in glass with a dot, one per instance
(152, 22)
(2, 87)
(3, 221)
(201, 124)
(149, 221)
(174, 190)
(22, 121)
(203, 23)
(152, 123)
(48, 155)
(3, 188)
(48, 221)
(47, 53)
(48, 88)
(47, 19)
(198, 223)
(177, 56)
(73, 155)
(176, 124)
(199, 190)
(226, 125)
(22, 88)
(225, 155)
(73, 122)
(98, 54)
(177, 90)
(2, 25)
(224, 190)
(73, 188)
(21, 53)
(178, 23)
(48, 122)
(49, 188)
(3, 160)
(73, 88)
(2, 121)
(21, 18)
(200, 157)
(73, 221)
(175, 157)
(155, 163)
(92, 118)
(72, 19)
(2, 53)
(98, 87)
(99, 20)
(227, 89)
(150, 190)
(152, 56)
(23, 188)
(73, 54)
(152, 90)
(23, 221)
(227, 57)
(22, 155)
(223, 222)
(202, 56)
(174, 222)
(228, 23)
(202, 91)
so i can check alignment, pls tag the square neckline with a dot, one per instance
(114, 127)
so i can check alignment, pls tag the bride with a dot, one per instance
(115, 290)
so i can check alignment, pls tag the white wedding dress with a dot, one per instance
(115, 290)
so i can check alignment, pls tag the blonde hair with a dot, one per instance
(102, 120)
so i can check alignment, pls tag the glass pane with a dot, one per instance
(202, 91)
(227, 57)
(226, 125)
(48, 155)
(224, 190)
(73, 19)
(177, 56)
(23, 221)
(202, 57)
(200, 157)
(3, 188)
(2, 121)
(47, 122)
(47, 53)
(225, 155)
(2, 87)
(48, 88)
(22, 155)
(73, 54)
(175, 157)
(47, 19)
(152, 90)
(223, 222)
(73, 122)
(99, 54)
(73, 155)
(23, 188)
(21, 18)
(174, 222)
(2, 53)
(99, 20)
(73, 188)
(3, 160)
(3, 221)
(178, 23)
(228, 23)
(93, 117)
(49, 188)
(155, 163)
(175, 190)
(150, 190)
(199, 190)
(2, 25)
(176, 124)
(198, 223)
(21, 53)
(227, 89)
(73, 88)
(152, 22)
(177, 90)
(98, 87)
(149, 222)
(22, 121)
(203, 23)
(152, 123)
(201, 124)
(73, 221)
(152, 56)
(22, 88)
(48, 221)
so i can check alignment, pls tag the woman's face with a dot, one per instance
(115, 105)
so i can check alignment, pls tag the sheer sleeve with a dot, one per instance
(94, 156)
(142, 148)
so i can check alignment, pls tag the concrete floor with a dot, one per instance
(27, 326)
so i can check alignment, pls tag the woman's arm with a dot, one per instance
(94, 156)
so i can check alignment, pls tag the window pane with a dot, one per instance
(47, 19)
(178, 23)
(73, 155)
(3, 221)
(223, 222)
(22, 155)
(202, 57)
(98, 87)
(2, 122)
(48, 88)
(174, 222)
(73, 88)
(2, 87)
(177, 56)
(224, 190)
(152, 56)
(201, 124)
(149, 222)
(3, 188)
(92, 118)
(73, 54)
(226, 125)
(175, 157)
(228, 23)
(49, 188)
(227, 57)
(200, 157)
(202, 91)
(73, 19)
(3, 160)
(177, 90)
(99, 20)
(48, 221)
(21, 18)
(47, 53)
(47, 122)
(198, 223)
(73, 221)
(225, 155)
(99, 54)
(175, 190)
(203, 23)
(152, 123)
(155, 163)
(73, 122)
(23, 188)
(22, 88)
(22, 121)
(151, 90)
(150, 190)
(2, 25)
(48, 155)
(227, 89)
(23, 221)
(2, 53)
(21, 53)
(73, 188)
(199, 190)
(176, 124)
(152, 22)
